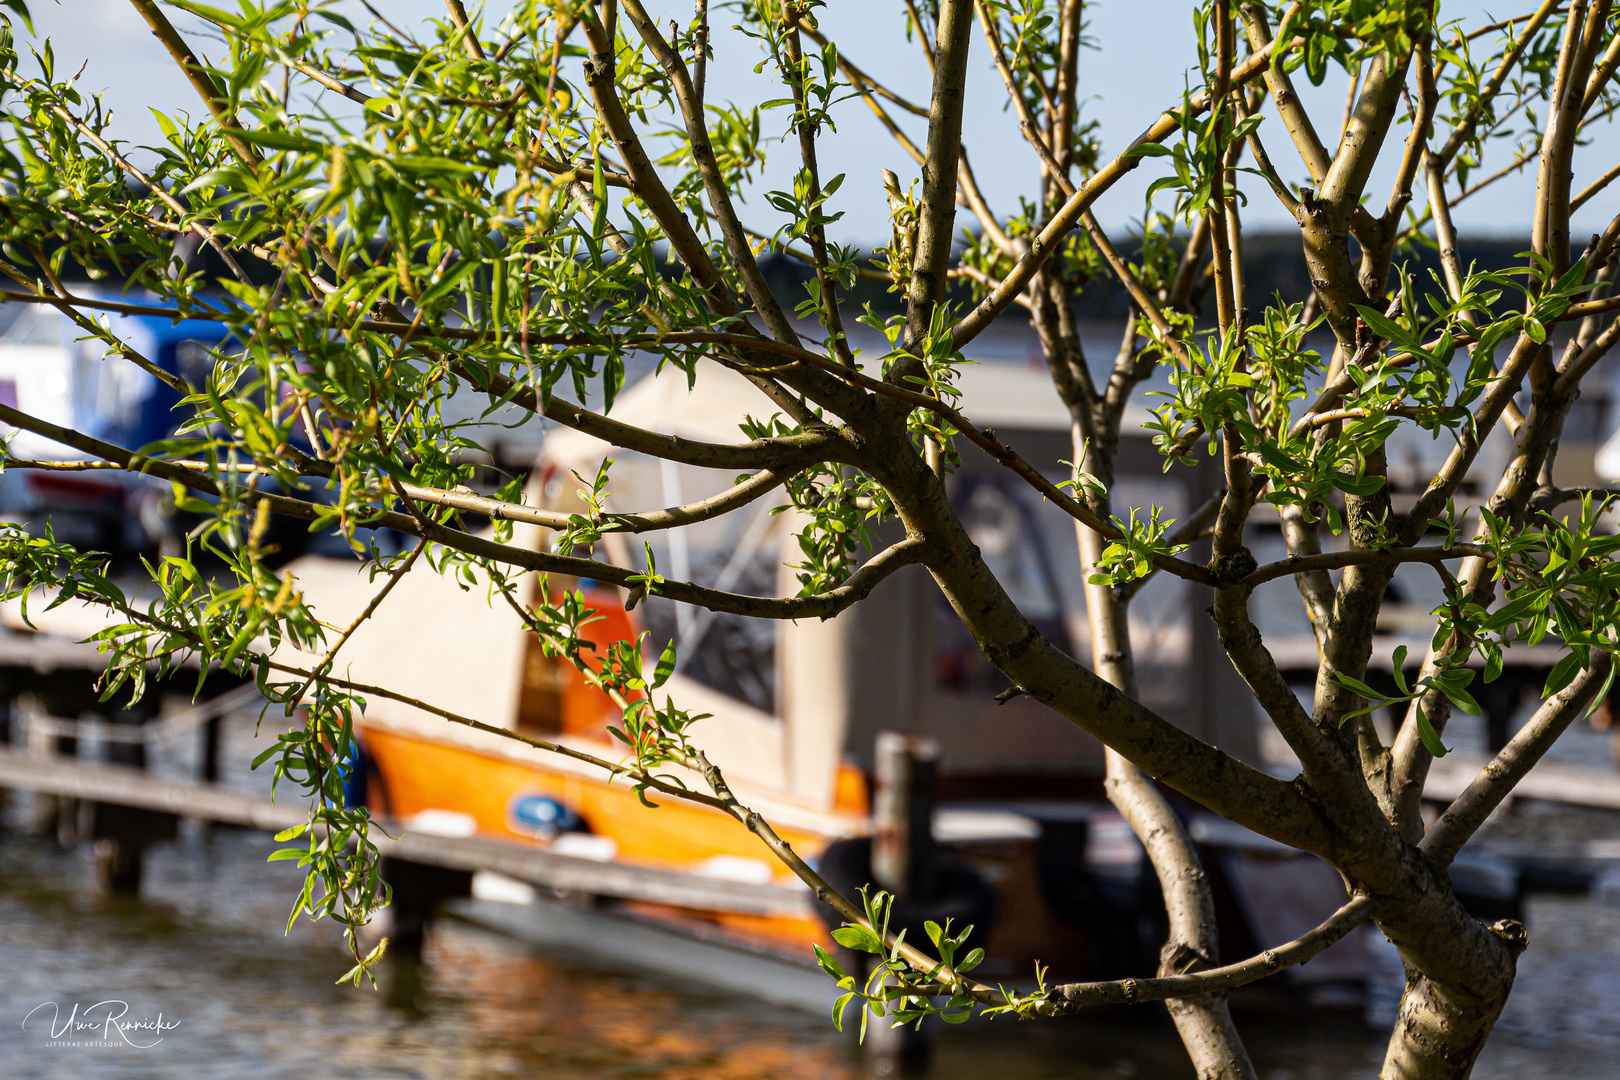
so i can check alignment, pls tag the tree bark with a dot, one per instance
(1443, 1026)
(1204, 1023)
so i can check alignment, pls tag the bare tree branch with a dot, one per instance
(1497, 780)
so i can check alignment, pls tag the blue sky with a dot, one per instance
(1127, 82)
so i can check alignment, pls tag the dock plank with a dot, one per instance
(131, 787)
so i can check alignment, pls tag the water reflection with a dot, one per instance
(203, 945)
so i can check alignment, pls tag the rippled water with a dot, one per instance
(204, 946)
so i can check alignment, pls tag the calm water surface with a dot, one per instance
(204, 945)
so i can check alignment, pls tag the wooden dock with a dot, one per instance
(21, 771)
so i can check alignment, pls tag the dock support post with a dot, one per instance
(118, 865)
(6, 701)
(208, 754)
(121, 834)
(418, 890)
(905, 862)
(906, 774)
(42, 809)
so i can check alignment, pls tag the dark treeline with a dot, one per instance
(1273, 265)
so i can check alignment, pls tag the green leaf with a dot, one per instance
(21, 10)
(1386, 327)
(1603, 692)
(1430, 737)
(838, 1012)
(1562, 674)
(1453, 689)
(1353, 683)
(1361, 486)
(1489, 339)
(858, 938)
(166, 126)
(212, 14)
(277, 140)
(230, 178)
(665, 667)
(1275, 457)
(830, 964)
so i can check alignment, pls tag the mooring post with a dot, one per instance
(905, 862)
(42, 815)
(121, 834)
(906, 773)
(418, 890)
(6, 702)
(208, 753)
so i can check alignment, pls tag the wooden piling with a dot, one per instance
(905, 859)
(117, 867)
(208, 753)
(905, 862)
(121, 835)
(418, 890)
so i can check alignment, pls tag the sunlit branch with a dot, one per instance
(714, 183)
(759, 484)
(827, 285)
(1461, 133)
(1214, 980)
(1164, 334)
(469, 40)
(1497, 780)
(1335, 560)
(613, 769)
(1295, 118)
(1549, 497)
(1601, 74)
(196, 73)
(1068, 998)
(1470, 438)
(821, 605)
(394, 578)
(973, 273)
(1279, 188)
(1068, 215)
(1415, 151)
(936, 214)
(1569, 379)
(1595, 186)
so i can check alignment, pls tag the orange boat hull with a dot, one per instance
(414, 774)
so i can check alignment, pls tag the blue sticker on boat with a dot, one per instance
(540, 815)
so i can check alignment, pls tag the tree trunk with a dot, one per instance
(1458, 977)
(1440, 1032)
(1204, 1023)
